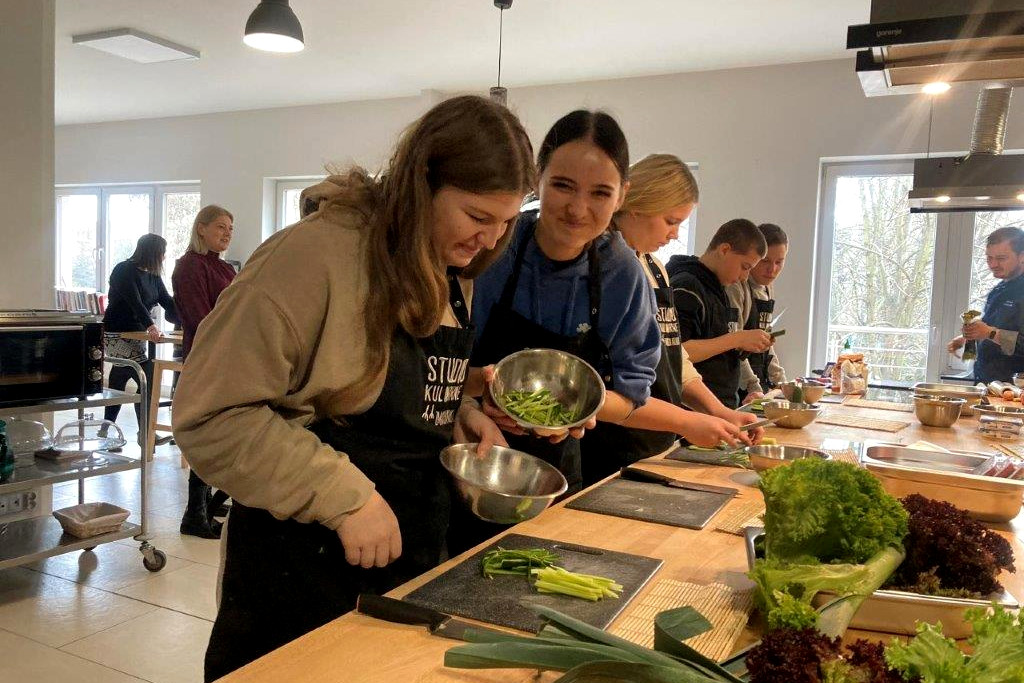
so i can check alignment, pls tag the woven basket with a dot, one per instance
(91, 519)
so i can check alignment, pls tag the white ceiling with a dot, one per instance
(368, 49)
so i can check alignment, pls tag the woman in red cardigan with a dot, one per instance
(199, 278)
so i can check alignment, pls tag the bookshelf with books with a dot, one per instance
(81, 301)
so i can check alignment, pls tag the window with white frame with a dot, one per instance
(98, 226)
(892, 282)
(288, 191)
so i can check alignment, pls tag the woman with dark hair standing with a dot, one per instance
(200, 276)
(135, 288)
(568, 283)
(328, 378)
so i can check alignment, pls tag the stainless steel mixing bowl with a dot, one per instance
(571, 381)
(938, 411)
(791, 415)
(768, 457)
(505, 485)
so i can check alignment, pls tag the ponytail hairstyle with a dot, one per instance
(595, 126)
(469, 143)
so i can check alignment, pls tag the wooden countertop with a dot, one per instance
(358, 648)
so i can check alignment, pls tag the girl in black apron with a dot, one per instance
(558, 287)
(661, 197)
(436, 225)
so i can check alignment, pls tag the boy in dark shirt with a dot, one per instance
(709, 324)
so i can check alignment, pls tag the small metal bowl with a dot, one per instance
(505, 485)
(571, 381)
(768, 457)
(812, 393)
(938, 411)
(1018, 379)
(791, 415)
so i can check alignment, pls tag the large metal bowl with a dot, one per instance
(812, 393)
(791, 415)
(768, 457)
(938, 411)
(969, 393)
(571, 381)
(505, 485)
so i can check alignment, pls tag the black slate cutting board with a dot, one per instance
(463, 590)
(652, 503)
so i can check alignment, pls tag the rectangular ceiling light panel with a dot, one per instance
(135, 45)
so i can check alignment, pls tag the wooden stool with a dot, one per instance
(159, 366)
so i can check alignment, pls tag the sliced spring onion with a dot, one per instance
(516, 562)
(565, 582)
(538, 407)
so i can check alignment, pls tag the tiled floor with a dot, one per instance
(101, 617)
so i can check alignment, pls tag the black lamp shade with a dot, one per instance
(273, 26)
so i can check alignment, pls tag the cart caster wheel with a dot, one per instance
(89, 549)
(157, 563)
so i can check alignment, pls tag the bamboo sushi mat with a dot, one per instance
(880, 405)
(863, 422)
(739, 516)
(843, 455)
(726, 608)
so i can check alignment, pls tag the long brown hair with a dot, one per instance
(467, 142)
(149, 253)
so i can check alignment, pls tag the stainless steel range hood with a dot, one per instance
(914, 45)
(983, 180)
(911, 43)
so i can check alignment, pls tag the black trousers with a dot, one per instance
(119, 377)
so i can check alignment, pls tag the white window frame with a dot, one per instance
(954, 243)
(282, 185)
(156, 192)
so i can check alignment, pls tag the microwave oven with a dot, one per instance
(46, 355)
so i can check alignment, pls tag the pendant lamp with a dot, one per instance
(498, 93)
(273, 27)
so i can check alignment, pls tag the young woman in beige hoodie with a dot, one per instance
(322, 387)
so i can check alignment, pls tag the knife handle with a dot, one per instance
(637, 474)
(397, 611)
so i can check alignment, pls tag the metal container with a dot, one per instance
(888, 611)
(812, 393)
(947, 477)
(938, 411)
(968, 392)
(571, 381)
(791, 415)
(505, 485)
(769, 457)
(1000, 411)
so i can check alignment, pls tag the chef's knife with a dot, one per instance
(775, 320)
(401, 612)
(754, 425)
(637, 474)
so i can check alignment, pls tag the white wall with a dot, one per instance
(26, 154)
(759, 135)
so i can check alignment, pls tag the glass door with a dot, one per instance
(78, 257)
(129, 216)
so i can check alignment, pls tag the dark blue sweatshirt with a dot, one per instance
(554, 295)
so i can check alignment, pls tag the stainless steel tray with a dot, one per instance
(945, 476)
(888, 611)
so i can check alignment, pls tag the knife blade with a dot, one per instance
(775, 320)
(637, 474)
(401, 612)
(754, 425)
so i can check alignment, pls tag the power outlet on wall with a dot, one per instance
(20, 501)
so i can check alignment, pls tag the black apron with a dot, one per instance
(721, 373)
(283, 578)
(760, 319)
(609, 447)
(506, 332)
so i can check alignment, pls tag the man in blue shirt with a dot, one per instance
(1000, 332)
